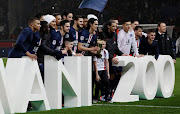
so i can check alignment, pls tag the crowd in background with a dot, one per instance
(15, 13)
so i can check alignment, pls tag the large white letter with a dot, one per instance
(86, 81)
(127, 81)
(4, 98)
(60, 77)
(25, 84)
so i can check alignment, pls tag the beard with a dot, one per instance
(79, 26)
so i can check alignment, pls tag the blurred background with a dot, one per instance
(14, 14)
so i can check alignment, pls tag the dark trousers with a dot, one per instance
(115, 73)
(41, 68)
(104, 82)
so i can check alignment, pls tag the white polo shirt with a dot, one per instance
(126, 40)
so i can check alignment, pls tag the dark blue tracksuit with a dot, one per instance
(22, 44)
(150, 49)
(35, 43)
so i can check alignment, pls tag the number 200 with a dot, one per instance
(145, 78)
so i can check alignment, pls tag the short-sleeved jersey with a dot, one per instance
(87, 39)
(101, 61)
(73, 34)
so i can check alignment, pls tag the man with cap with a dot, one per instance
(56, 37)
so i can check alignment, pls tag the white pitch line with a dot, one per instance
(137, 106)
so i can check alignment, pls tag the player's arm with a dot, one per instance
(107, 67)
(96, 71)
(22, 38)
(82, 48)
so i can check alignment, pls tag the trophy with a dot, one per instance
(99, 44)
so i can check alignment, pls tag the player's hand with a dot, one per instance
(96, 48)
(94, 52)
(115, 60)
(174, 60)
(124, 55)
(58, 55)
(64, 52)
(79, 54)
(108, 76)
(98, 78)
(32, 56)
(140, 55)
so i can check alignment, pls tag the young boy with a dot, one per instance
(68, 45)
(101, 66)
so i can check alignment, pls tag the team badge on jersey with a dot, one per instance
(82, 38)
(130, 35)
(54, 42)
(67, 36)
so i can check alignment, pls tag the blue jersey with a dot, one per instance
(56, 40)
(22, 44)
(36, 42)
(87, 39)
(73, 34)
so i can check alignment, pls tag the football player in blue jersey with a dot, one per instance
(33, 48)
(88, 38)
(74, 31)
(25, 39)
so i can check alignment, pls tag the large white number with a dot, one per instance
(127, 80)
(147, 79)
(152, 78)
(166, 75)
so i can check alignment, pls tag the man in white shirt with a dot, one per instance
(126, 39)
